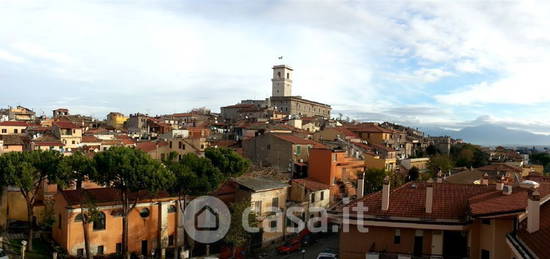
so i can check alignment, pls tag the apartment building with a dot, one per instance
(13, 127)
(68, 133)
(152, 223)
(436, 219)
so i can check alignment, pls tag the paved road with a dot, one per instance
(313, 250)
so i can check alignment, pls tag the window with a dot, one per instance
(73, 142)
(298, 150)
(275, 202)
(322, 196)
(287, 75)
(273, 224)
(397, 237)
(485, 254)
(171, 240)
(279, 74)
(179, 145)
(99, 222)
(268, 146)
(486, 221)
(144, 213)
(100, 250)
(4, 131)
(312, 197)
(59, 221)
(15, 131)
(80, 252)
(119, 248)
(170, 144)
(78, 218)
(172, 209)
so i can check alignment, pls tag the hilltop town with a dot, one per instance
(78, 186)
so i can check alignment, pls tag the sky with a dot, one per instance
(449, 64)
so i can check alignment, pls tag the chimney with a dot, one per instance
(386, 194)
(429, 196)
(500, 183)
(360, 185)
(439, 177)
(485, 179)
(533, 211)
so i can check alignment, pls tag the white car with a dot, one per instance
(3, 254)
(327, 254)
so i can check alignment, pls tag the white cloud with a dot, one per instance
(6, 56)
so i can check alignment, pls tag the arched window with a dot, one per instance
(279, 74)
(144, 213)
(172, 209)
(78, 218)
(99, 222)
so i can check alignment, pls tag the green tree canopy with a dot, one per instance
(227, 161)
(440, 163)
(374, 179)
(130, 170)
(28, 171)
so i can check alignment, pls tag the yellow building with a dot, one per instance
(116, 120)
(13, 127)
(377, 161)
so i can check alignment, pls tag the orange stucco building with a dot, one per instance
(151, 224)
(336, 169)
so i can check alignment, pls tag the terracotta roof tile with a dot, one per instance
(65, 125)
(450, 200)
(300, 141)
(14, 123)
(500, 168)
(538, 241)
(149, 146)
(311, 184)
(108, 196)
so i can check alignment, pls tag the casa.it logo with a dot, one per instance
(206, 219)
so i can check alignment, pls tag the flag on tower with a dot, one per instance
(281, 57)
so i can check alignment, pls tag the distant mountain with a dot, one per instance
(492, 135)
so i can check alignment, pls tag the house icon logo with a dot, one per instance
(206, 219)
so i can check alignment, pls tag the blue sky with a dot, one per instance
(431, 63)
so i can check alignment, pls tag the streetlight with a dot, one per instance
(303, 253)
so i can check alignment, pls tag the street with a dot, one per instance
(328, 242)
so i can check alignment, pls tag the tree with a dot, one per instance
(130, 171)
(413, 174)
(193, 176)
(431, 150)
(237, 236)
(76, 169)
(28, 171)
(440, 163)
(227, 161)
(374, 179)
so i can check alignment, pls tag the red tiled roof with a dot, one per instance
(450, 200)
(149, 146)
(15, 140)
(538, 241)
(495, 202)
(48, 143)
(62, 110)
(346, 132)
(297, 140)
(369, 128)
(311, 184)
(109, 196)
(65, 125)
(90, 139)
(14, 123)
(500, 168)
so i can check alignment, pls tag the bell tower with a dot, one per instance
(282, 81)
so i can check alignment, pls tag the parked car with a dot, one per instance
(290, 246)
(327, 254)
